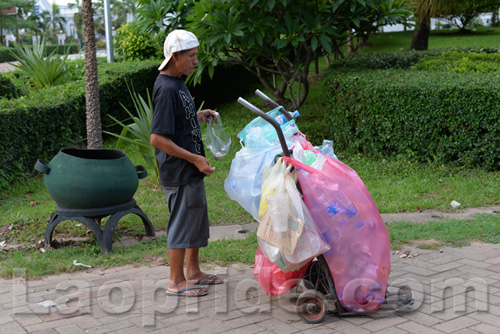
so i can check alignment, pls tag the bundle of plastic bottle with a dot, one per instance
(261, 146)
(343, 210)
(261, 131)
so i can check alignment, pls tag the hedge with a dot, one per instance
(401, 59)
(6, 56)
(440, 117)
(8, 89)
(39, 125)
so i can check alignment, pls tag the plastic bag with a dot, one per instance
(289, 237)
(243, 183)
(272, 279)
(309, 157)
(344, 212)
(272, 181)
(260, 133)
(217, 140)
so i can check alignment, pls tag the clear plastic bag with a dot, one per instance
(243, 184)
(217, 140)
(260, 133)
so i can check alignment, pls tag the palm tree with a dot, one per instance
(94, 130)
(77, 17)
(57, 19)
(424, 10)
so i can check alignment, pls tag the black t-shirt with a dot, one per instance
(174, 116)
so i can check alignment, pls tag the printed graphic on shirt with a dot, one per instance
(191, 116)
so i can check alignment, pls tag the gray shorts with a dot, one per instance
(187, 226)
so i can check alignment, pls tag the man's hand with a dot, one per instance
(168, 146)
(205, 114)
(203, 165)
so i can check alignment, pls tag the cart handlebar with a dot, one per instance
(274, 104)
(271, 120)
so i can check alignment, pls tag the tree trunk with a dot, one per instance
(350, 43)
(94, 131)
(1, 27)
(420, 40)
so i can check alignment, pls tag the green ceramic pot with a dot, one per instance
(87, 179)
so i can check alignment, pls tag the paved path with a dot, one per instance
(7, 67)
(455, 291)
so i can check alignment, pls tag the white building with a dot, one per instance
(66, 12)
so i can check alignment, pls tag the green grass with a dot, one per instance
(454, 233)
(426, 235)
(396, 185)
(401, 40)
(150, 252)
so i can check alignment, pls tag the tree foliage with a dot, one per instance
(282, 37)
(9, 22)
(463, 12)
(154, 16)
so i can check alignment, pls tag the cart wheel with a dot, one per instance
(311, 306)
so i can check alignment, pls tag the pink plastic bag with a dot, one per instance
(271, 279)
(343, 210)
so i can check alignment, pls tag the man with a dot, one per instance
(176, 136)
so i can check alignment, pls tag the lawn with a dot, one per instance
(396, 185)
(401, 40)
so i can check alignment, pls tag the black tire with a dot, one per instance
(311, 306)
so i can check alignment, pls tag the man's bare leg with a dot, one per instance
(177, 279)
(193, 270)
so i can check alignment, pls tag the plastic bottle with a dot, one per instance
(281, 119)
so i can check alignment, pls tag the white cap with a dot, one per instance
(177, 40)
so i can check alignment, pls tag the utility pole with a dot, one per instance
(1, 26)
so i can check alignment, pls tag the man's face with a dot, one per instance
(187, 61)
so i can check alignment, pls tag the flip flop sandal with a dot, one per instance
(181, 292)
(209, 280)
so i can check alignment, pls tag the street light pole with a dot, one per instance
(109, 33)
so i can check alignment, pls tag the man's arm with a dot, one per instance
(168, 146)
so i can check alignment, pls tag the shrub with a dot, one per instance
(135, 45)
(100, 44)
(38, 68)
(441, 117)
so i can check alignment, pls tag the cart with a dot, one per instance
(316, 294)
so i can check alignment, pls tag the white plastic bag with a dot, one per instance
(217, 140)
(301, 241)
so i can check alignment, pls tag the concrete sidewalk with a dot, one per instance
(455, 291)
(7, 67)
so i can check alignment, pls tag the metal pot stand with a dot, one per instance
(92, 219)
